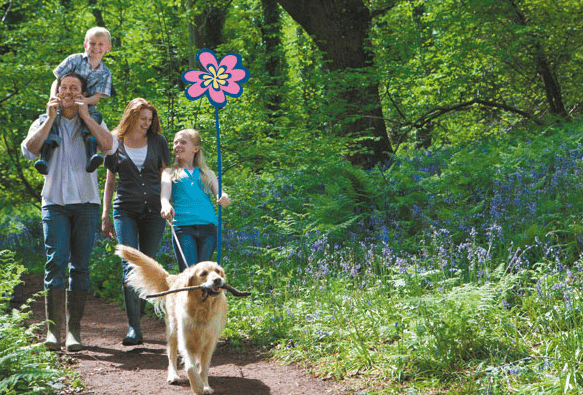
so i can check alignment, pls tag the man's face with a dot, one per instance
(69, 90)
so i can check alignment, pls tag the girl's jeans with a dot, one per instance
(198, 243)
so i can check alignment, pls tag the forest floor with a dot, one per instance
(105, 366)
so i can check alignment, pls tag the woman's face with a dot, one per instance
(184, 149)
(144, 123)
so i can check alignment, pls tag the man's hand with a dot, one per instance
(52, 106)
(82, 107)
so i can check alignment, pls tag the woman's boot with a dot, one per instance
(134, 312)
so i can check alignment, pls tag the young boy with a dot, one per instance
(88, 65)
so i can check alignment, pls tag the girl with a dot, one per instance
(190, 184)
(142, 155)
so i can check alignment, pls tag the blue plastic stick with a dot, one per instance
(220, 184)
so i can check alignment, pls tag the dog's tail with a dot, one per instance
(146, 275)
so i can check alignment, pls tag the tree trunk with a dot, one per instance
(552, 87)
(274, 63)
(340, 29)
(543, 67)
(205, 26)
(96, 13)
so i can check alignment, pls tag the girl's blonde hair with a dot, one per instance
(198, 161)
(131, 115)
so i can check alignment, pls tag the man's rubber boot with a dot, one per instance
(54, 309)
(75, 307)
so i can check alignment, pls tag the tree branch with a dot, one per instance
(13, 93)
(439, 111)
(13, 155)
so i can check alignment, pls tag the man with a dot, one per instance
(70, 206)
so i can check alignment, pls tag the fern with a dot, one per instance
(24, 367)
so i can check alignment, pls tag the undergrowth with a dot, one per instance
(25, 366)
(448, 272)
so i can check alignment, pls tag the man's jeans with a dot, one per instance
(69, 232)
(198, 243)
(142, 231)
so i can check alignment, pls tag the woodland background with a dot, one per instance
(406, 178)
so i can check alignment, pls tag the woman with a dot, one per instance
(139, 161)
(190, 183)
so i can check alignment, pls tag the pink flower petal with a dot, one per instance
(229, 61)
(193, 76)
(237, 75)
(232, 88)
(217, 96)
(196, 90)
(206, 59)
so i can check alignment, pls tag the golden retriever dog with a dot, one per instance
(194, 319)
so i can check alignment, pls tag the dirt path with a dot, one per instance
(108, 367)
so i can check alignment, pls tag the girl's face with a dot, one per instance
(184, 148)
(144, 122)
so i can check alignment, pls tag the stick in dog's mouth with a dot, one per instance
(206, 291)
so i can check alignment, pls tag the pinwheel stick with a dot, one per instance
(220, 177)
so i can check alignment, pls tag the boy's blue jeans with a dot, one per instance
(69, 232)
(198, 243)
(142, 231)
(97, 117)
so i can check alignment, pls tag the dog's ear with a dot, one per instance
(193, 279)
(222, 272)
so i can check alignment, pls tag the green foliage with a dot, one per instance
(463, 275)
(454, 269)
(453, 272)
(25, 367)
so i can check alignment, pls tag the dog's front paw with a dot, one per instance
(173, 378)
(208, 390)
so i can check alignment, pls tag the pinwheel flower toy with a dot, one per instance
(217, 81)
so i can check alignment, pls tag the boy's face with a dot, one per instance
(97, 46)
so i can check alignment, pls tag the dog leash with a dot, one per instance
(227, 287)
(177, 242)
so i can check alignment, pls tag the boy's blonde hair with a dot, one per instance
(198, 161)
(98, 32)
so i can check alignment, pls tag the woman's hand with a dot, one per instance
(107, 227)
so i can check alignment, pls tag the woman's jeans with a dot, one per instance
(142, 231)
(198, 243)
(69, 232)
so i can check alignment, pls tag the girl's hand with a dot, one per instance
(167, 211)
(224, 200)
